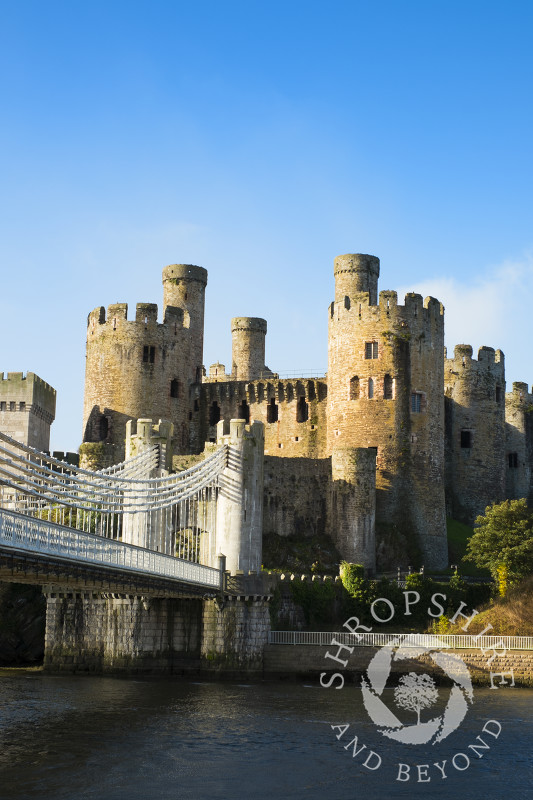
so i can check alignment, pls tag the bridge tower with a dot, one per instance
(143, 368)
(240, 499)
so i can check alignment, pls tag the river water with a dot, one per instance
(78, 737)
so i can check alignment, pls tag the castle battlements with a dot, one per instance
(520, 394)
(415, 312)
(284, 390)
(487, 358)
(30, 390)
(145, 314)
(27, 408)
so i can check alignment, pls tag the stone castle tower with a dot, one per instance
(27, 408)
(519, 442)
(475, 430)
(385, 379)
(142, 368)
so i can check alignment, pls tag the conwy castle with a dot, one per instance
(375, 454)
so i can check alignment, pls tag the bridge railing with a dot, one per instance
(451, 640)
(19, 532)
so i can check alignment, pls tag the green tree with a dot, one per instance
(353, 580)
(503, 541)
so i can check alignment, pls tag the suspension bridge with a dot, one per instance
(124, 528)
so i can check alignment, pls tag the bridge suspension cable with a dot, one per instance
(169, 513)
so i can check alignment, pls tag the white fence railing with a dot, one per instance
(452, 640)
(19, 532)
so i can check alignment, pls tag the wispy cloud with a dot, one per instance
(494, 310)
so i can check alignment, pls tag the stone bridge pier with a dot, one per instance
(118, 633)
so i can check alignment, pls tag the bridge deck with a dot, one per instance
(38, 551)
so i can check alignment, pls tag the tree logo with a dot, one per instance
(416, 692)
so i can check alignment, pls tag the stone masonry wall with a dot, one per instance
(89, 632)
(311, 660)
(292, 411)
(235, 634)
(295, 496)
(86, 632)
(27, 408)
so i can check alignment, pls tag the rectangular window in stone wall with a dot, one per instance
(272, 410)
(12, 406)
(3, 406)
(416, 402)
(148, 354)
(513, 460)
(371, 349)
(387, 387)
(466, 439)
(22, 406)
(302, 410)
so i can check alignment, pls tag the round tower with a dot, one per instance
(353, 504)
(385, 391)
(519, 442)
(184, 289)
(143, 368)
(354, 273)
(248, 348)
(475, 431)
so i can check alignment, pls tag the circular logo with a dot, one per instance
(416, 691)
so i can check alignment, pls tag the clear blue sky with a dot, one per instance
(260, 140)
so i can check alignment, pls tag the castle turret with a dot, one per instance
(184, 289)
(356, 273)
(352, 512)
(144, 369)
(385, 378)
(475, 431)
(519, 442)
(248, 348)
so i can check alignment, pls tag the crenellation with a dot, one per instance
(388, 299)
(486, 354)
(520, 391)
(145, 313)
(462, 353)
(117, 311)
(96, 317)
